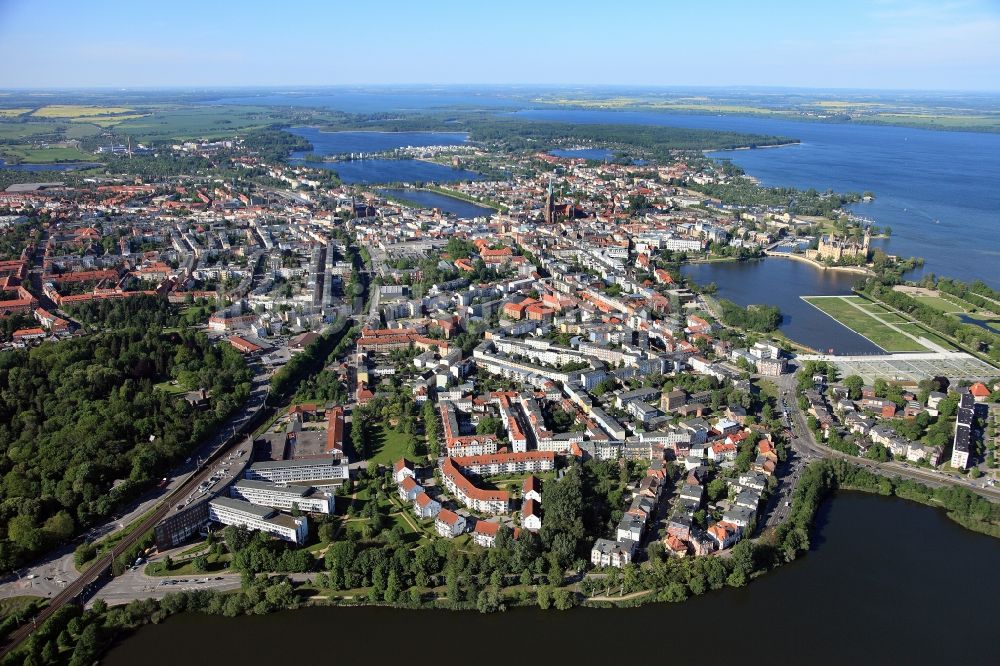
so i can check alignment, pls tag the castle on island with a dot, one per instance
(836, 249)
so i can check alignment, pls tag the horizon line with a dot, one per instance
(627, 86)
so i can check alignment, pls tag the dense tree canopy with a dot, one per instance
(83, 426)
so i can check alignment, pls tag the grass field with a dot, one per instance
(109, 121)
(12, 131)
(915, 329)
(46, 155)
(860, 321)
(388, 446)
(169, 387)
(940, 303)
(14, 605)
(77, 111)
(12, 113)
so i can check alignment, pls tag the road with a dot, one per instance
(186, 479)
(136, 584)
(804, 444)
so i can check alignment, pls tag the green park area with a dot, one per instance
(859, 315)
(389, 445)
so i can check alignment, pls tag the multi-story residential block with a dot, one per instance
(305, 498)
(449, 524)
(265, 519)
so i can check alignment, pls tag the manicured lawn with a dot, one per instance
(942, 304)
(923, 333)
(860, 321)
(388, 446)
(216, 563)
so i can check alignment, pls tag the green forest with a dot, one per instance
(83, 425)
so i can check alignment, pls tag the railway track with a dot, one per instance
(100, 571)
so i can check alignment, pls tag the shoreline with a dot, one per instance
(797, 142)
(858, 270)
(364, 131)
(414, 204)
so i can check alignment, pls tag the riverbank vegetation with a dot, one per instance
(528, 570)
(754, 318)
(745, 193)
(977, 338)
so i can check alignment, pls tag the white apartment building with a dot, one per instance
(259, 518)
(306, 498)
(284, 472)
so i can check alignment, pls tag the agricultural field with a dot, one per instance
(21, 131)
(78, 111)
(868, 319)
(12, 113)
(196, 122)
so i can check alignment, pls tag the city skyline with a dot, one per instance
(855, 45)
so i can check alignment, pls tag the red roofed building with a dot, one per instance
(724, 534)
(531, 515)
(425, 507)
(662, 276)
(980, 392)
(25, 334)
(335, 430)
(243, 346)
(507, 463)
(23, 300)
(477, 499)
(449, 524)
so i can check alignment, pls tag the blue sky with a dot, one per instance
(886, 44)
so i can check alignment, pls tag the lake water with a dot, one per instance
(60, 166)
(341, 143)
(874, 590)
(374, 171)
(939, 191)
(378, 100)
(584, 153)
(781, 282)
(458, 207)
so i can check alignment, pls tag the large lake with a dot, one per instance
(374, 171)
(888, 582)
(939, 191)
(341, 143)
(442, 202)
(378, 100)
(781, 282)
